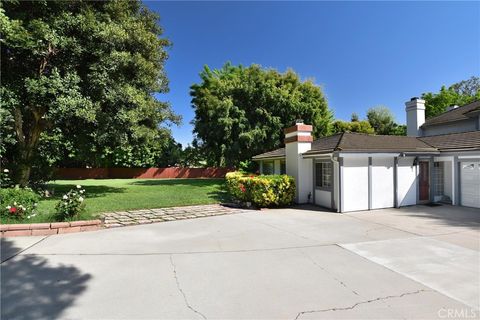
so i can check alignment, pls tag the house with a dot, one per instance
(438, 161)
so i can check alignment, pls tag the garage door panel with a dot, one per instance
(382, 183)
(470, 183)
(355, 184)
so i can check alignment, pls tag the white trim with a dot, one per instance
(298, 133)
(444, 158)
(373, 155)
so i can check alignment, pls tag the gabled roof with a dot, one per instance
(458, 114)
(454, 141)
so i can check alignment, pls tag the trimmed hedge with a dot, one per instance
(263, 191)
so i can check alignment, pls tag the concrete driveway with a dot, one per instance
(303, 263)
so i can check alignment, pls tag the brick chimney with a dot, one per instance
(415, 109)
(298, 139)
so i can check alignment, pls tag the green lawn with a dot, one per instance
(108, 195)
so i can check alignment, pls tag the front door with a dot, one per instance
(424, 183)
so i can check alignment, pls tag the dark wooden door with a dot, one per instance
(424, 183)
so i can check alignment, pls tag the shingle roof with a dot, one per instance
(278, 153)
(454, 141)
(460, 113)
(360, 142)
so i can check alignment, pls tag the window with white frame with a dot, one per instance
(323, 175)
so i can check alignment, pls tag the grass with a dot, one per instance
(109, 195)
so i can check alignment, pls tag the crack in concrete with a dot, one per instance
(184, 252)
(361, 302)
(181, 291)
(23, 250)
(323, 269)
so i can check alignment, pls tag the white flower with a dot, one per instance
(80, 199)
(9, 207)
(5, 170)
(79, 186)
(82, 191)
(15, 203)
(65, 197)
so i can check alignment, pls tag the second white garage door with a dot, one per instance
(470, 183)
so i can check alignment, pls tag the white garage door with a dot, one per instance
(470, 183)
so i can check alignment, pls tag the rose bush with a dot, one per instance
(71, 204)
(262, 191)
(18, 203)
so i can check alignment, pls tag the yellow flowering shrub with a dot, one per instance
(263, 191)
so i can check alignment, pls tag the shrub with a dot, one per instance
(18, 203)
(71, 204)
(5, 181)
(263, 190)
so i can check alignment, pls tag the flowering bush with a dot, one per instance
(72, 204)
(263, 190)
(5, 181)
(18, 203)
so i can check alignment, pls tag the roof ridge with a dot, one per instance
(337, 146)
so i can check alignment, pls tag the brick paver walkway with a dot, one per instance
(127, 218)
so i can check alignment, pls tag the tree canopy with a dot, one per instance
(460, 93)
(242, 111)
(358, 126)
(78, 84)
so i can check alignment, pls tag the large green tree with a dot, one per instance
(460, 93)
(358, 126)
(78, 82)
(242, 111)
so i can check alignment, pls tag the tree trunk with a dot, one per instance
(24, 171)
(27, 143)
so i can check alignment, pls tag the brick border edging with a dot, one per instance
(46, 229)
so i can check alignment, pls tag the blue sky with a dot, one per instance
(363, 54)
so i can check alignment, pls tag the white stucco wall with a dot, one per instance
(355, 184)
(407, 181)
(382, 183)
(336, 186)
(300, 169)
(323, 198)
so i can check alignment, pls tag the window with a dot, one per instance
(323, 175)
(267, 167)
(283, 167)
(438, 177)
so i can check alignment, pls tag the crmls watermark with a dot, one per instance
(451, 313)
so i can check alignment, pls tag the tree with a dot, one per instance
(354, 117)
(381, 119)
(460, 93)
(242, 111)
(354, 126)
(78, 78)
